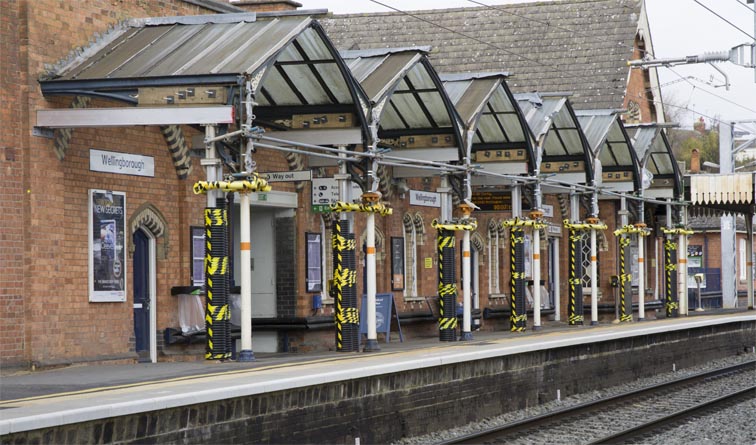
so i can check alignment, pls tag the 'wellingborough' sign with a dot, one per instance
(121, 163)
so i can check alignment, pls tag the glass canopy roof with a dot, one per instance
(655, 154)
(610, 143)
(565, 149)
(405, 92)
(305, 69)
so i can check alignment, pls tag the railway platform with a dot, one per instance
(46, 400)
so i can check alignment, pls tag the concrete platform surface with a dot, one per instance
(41, 399)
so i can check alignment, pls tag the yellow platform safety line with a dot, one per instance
(465, 224)
(631, 230)
(253, 184)
(378, 207)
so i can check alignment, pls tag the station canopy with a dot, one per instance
(565, 155)
(416, 119)
(299, 80)
(610, 144)
(496, 133)
(655, 155)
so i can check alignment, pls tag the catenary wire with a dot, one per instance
(724, 19)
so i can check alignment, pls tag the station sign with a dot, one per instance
(326, 191)
(290, 176)
(426, 199)
(121, 163)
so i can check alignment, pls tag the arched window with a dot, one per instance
(494, 286)
(410, 256)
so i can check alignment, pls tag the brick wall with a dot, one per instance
(386, 408)
(13, 138)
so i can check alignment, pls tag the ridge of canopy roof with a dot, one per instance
(355, 53)
(452, 77)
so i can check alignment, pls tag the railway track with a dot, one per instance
(622, 417)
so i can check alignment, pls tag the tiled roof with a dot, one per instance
(580, 46)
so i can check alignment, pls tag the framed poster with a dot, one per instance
(397, 263)
(313, 263)
(107, 252)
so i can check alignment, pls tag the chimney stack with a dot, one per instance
(266, 5)
(695, 161)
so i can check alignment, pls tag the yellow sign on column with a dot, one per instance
(429, 263)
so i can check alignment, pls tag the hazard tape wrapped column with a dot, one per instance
(346, 315)
(671, 303)
(217, 316)
(625, 279)
(217, 313)
(447, 277)
(575, 308)
(518, 314)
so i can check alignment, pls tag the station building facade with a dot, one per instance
(52, 192)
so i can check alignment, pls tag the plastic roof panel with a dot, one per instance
(655, 153)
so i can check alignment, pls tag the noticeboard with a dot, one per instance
(385, 307)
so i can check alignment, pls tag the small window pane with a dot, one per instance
(314, 270)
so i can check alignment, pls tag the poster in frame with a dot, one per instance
(107, 248)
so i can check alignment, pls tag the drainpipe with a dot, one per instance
(749, 259)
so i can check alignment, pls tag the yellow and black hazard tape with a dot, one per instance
(677, 231)
(631, 229)
(447, 289)
(672, 305)
(447, 323)
(515, 319)
(215, 217)
(253, 184)
(517, 222)
(378, 207)
(574, 319)
(351, 315)
(583, 226)
(468, 224)
(626, 317)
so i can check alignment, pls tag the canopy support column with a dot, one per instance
(749, 258)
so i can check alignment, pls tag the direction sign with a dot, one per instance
(299, 175)
(326, 190)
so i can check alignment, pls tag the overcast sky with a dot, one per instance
(678, 28)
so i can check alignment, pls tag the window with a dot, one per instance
(197, 235)
(493, 255)
(585, 244)
(398, 278)
(743, 257)
(410, 257)
(313, 262)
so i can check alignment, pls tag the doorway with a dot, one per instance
(143, 285)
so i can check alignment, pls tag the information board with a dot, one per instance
(385, 307)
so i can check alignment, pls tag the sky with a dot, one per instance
(679, 28)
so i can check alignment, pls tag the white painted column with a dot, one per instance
(749, 259)
(641, 279)
(245, 254)
(594, 279)
(372, 335)
(466, 288)
(536, 279)
(557, 294)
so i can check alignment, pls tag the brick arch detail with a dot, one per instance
(148, 217)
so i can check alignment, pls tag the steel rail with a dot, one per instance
(677, 417)
(586, 407)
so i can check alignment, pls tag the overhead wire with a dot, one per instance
(724, 19)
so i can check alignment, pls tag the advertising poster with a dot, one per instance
(107, 253)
